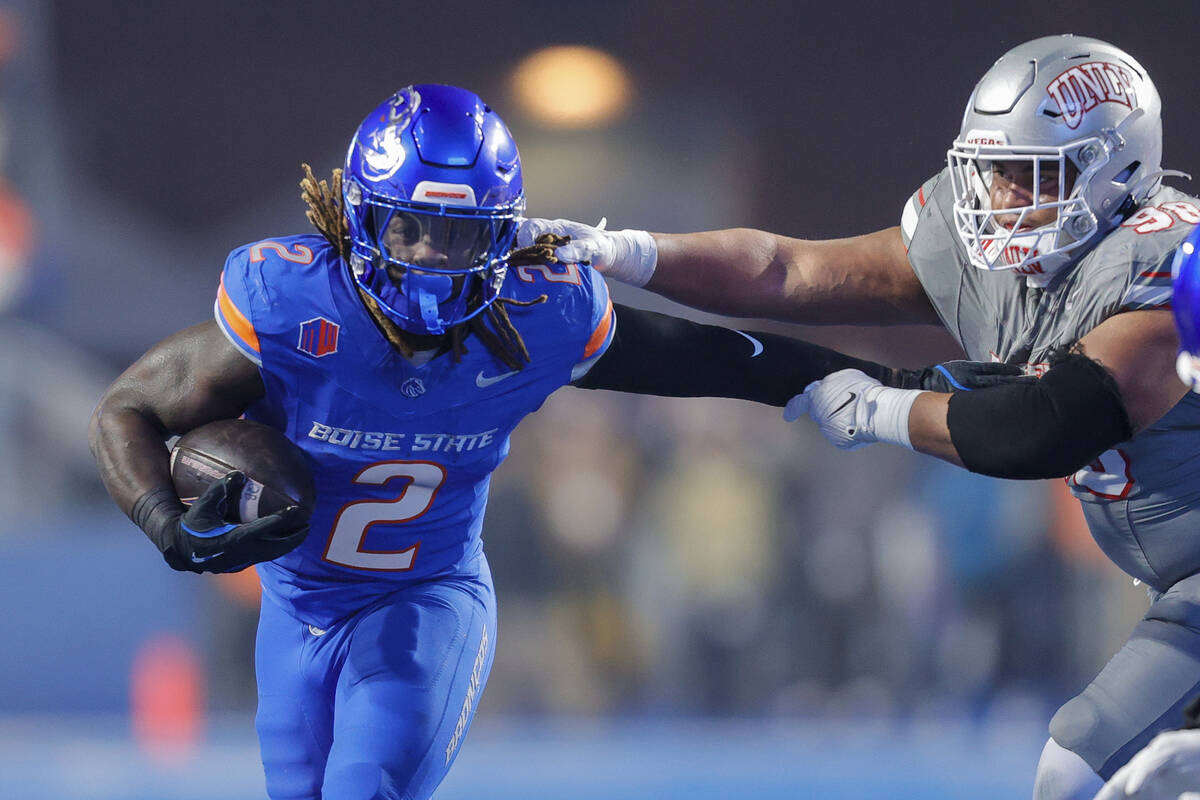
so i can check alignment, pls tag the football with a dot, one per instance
(276, 470)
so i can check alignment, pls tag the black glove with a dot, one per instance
(958, 376)
(200, 539)
(1191, 714)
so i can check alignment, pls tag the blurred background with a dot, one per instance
(695, 599)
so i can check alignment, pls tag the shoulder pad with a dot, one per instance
(912, 209)
(252, 280)
(1146, 242)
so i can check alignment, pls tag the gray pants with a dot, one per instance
(1143, 689)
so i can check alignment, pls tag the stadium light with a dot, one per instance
(572, 86)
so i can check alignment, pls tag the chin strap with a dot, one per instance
(430, 291)
(429, 312)
(1155, 177)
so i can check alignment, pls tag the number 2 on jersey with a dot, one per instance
(422, 479)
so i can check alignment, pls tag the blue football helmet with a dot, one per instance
(433, 194)
(1185, 302)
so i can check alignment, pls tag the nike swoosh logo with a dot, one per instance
(201, 559)
(849, 400)
(758, 346)
(484, 381)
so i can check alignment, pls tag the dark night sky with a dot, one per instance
(185, 125)
(191, 111)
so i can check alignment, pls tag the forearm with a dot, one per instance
(662, 355)
(130, 453)
(1045, 429)
(193, 377)
(731, 272)
(863, 280)
(135, 469)
(927, 429)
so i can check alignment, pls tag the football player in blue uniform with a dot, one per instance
(398, 347)
(1185, 305)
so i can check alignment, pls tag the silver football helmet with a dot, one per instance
(1074, 116)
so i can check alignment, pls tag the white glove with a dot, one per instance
(1166, 769)
(853, 409)
(629, 256)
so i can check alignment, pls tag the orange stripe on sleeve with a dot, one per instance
(601, 333)
(236, 319)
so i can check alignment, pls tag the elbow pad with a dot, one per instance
(1048, 428)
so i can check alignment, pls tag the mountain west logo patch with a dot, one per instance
(318, 337)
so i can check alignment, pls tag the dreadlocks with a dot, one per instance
(325, 212)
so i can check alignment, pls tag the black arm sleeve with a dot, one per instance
(1045, 429)
(657, 354)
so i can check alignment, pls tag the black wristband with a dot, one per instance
(662, 355)
(1191, 714)
(155, 512)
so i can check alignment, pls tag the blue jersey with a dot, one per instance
(402, 452)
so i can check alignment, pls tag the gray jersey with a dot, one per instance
(1142, 498)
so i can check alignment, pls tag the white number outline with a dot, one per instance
(1153, 219)
(303, 255)
(1099, 471)
(1184, 211)
(345, 544)
(570, 275)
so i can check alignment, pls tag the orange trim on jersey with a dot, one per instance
(601, 333)
(236, 319)
(1152, 274)
(921, 196)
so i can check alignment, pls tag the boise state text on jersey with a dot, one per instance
(402, 451)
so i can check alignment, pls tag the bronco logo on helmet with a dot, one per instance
(383, 152)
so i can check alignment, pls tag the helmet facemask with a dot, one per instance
(1018, 237)
(429, 267)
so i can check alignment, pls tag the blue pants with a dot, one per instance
(376, 707)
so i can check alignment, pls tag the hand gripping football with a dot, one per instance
(276, 470)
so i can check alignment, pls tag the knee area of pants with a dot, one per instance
(1075, 724)
(300, 783)
(1179, 605)
(358, 781)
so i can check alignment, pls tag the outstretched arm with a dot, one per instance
(658, 354)
(662, 355)
(750, 273)
(1120, 381)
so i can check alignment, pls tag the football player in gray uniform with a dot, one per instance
(1045, 242)
(1169, 767)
